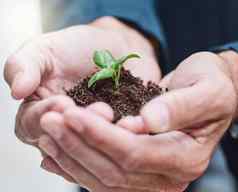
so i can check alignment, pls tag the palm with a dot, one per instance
(63, 58)
(70, 54)
(70, 57)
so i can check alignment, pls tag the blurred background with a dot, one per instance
(19, 164)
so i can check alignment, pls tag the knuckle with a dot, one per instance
(105, 20)
(230, 106)
(208, 56)
(60, 102)
(226, 102)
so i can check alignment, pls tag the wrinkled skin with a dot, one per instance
(131, 158)
(45, 66)
(83, 146)
(42, 67)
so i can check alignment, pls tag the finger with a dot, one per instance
(169, 160)
(133, 124)
(169, 154)
(103, 169)
(23, 70)
(50, 165)
(76, 171)
(28, 118)
(165, 82)
(102, 109)
(101, 134)
(96, 163)
(182, 108)
(133, 153)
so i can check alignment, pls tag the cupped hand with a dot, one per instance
(44, 67)
(84, 159)
(189, 121)
(52, 63)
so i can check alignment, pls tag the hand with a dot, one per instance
(89, 166)
(40, 69)
(191, 119)
(43, 67)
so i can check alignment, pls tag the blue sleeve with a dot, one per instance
(229, 46)
(141, 12)
(233, 46)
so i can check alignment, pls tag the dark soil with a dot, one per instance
(126, 100)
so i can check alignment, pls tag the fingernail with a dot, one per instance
(44, 165)
(156, 116)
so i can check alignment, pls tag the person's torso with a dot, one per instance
(195, 25)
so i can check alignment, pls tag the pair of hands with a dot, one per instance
(105, 157)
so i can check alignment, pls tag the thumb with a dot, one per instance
(23, 70)
(179, 108)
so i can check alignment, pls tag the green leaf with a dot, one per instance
(103, 59)
(103, 74)
(122, 60)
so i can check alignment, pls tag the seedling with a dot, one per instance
(110, 67)
(125, 93)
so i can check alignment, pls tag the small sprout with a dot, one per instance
(103, 74)
(110, 67)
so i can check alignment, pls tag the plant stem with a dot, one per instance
(118, 75)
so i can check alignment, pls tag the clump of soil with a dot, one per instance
(126, 100)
